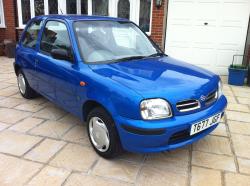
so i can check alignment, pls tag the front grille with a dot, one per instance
(211, 97)
(188, 105)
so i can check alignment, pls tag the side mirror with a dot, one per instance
(61, 54)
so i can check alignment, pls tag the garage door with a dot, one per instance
(207, 33)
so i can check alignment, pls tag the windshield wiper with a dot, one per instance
(128, 58)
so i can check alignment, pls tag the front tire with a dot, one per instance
(103, 134)
(25, 90)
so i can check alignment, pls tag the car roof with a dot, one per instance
(74, 17)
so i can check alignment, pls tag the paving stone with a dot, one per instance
(244, 165)
(11, 116)
(15, 171)
(77, 179)
(9, 91)
(69, 118)
(238, 107)
(220, 130)
(238, 116)
(205, 177)
(45, 150)
(241, 145)
(30, 107)
(232, 179)
(159, 176)
(16, 143)
(53, 129)
(231, 99)
(4, 85)
(3, 126)
(77, 134)
(116, 169)
(228, 93)
(75, 157)
(244, 100)
(133, 157)
(26, 124)
(243, 94)
(50, 176)
(237, 89)
(213, 161)
(51, 113)
(239, 127)
(175, 161)
(10, 102)
(213, 144)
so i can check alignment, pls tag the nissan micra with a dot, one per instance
(114, 77)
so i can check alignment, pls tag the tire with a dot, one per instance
(114, 147)
(24, 88)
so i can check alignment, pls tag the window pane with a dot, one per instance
(25, 11)
(39, 7)
(84, 6)
(31, 35)
(124, 9)
(100, 7)
(145, 11)
(53, 7)
(55, 36)
(71, 6)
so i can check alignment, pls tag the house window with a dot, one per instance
(100, 7)
(84, 6)
(39, 7)
(53, 6)
(2, 23)
(145, 15)
(138, 11)
(124, 9)
(71, 7)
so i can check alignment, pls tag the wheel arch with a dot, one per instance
(90, 105)
(17, 67)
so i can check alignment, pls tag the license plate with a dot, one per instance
(204, 124)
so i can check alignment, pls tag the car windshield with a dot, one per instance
(112, 41)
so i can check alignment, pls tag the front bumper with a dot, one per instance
(161, 135)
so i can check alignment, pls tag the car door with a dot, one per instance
(57, 78)
(26, 51)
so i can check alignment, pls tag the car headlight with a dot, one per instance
(155, 109)
(220, 89)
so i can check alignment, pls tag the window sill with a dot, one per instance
(3, 26)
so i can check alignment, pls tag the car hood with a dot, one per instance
(161, 77)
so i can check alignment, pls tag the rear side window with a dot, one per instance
(55, 36)
(31, 34)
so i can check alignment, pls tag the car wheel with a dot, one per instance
(103, 134)
(24, 88)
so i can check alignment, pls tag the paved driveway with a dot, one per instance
(40, 144)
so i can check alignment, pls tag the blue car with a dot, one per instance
(110, 74)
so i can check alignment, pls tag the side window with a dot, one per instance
(31, 34)
(55, 36)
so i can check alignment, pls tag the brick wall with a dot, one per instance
(10, 21)
(158, 24)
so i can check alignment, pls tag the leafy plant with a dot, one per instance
(240, 67)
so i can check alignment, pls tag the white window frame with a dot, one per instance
(2, 24)
(62, 9)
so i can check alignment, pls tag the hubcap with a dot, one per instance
(99, 134)
(21, 83)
